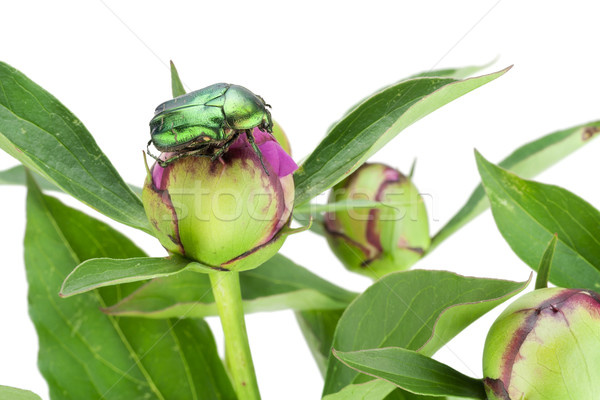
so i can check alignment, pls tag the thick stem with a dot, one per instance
(226, 288)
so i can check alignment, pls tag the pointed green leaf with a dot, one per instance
(528, 214)
(16, 176)
(276, 285)
(527, 161)
(376, 389)
(9, 393)
(413, 166)
(417, 310)
(86, 354)
(314, 208)
(372, 124)
(458, 73)
(545, 264)
(41, 133)
(455, 73)
(307, 211)
(413, 371)
(99, 272)
(176, 85)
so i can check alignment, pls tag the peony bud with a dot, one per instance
(281, 138)
(545, 345)
(228, 213)
(375, 242)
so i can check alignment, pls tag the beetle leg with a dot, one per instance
(195, 153)
(152, 155)
(222, 150)
(256, 150)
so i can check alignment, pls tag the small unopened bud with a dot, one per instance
(545, 345)
(376, 241)
(228, 213)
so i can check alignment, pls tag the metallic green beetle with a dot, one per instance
(207, 121)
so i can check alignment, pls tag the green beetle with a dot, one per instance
(207, 121)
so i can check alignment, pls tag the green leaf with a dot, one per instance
(176, 85)
(85, 354)
(376, 389)
(313, 208)
(528, 214)
(276, 285)
(372, 124)
(527, 161)
(545, 264)
(41, 133)
(16, 176)
(418, 310)
(307, 211)
(458, 73)
(99, 272)
(318, 328)
(413, 371)
(413, 166)
(9, 393)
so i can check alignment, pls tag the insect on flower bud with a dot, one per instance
(376, 241)
(229, 213)
(545, 345)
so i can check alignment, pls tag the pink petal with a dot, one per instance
(157, 176)
(272, 152)
(261, 137)
(281, 162)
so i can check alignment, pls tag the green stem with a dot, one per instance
(226, 288)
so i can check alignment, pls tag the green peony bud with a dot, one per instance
(227, 214)
(545, 345)
(375, 242)
(281, 138)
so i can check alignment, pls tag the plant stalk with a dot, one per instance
(226, 289)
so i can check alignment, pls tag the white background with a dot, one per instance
(107, 61)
